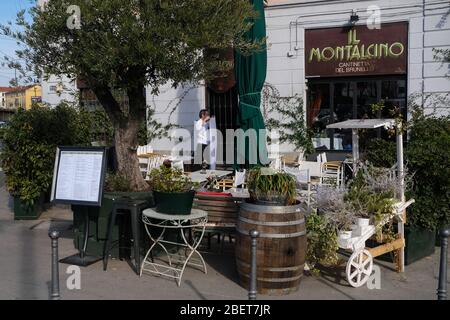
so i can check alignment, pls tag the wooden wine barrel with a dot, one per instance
(281, 246)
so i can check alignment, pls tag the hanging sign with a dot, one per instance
(79, 175)
(356, 50)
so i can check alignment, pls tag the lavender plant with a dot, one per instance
(331, 202)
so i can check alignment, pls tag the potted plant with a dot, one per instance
(331, 203)
(27, 158)
(269, 187)
(173, 191)
(372, 195)
(322, 242)
(280, 219)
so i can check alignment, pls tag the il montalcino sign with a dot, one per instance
(357, 50)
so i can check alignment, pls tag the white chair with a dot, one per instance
(303, 178)
(238, 180)
(313, 167)
(144, 150)
(154, 162)
(332, 172)
(178, 165)
(276, 162)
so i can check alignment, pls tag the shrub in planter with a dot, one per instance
(172, 190)
(322, 242)
(29, 144)
(428, 157)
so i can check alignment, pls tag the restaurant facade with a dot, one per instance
(341, 57)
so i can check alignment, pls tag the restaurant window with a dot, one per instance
(335, 100)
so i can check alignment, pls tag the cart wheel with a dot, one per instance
(359, 268)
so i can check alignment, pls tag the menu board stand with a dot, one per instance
(78, 179)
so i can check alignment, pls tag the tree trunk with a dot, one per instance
(126, 128)
(126, 142)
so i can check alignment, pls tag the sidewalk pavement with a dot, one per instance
(25, 271)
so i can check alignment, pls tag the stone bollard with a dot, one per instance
(254, 234)
(54, 235)
(442, 289)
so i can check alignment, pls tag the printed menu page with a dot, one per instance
(79, 176)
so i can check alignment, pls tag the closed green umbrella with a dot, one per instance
(250, 73)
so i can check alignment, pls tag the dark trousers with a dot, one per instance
(199, 156)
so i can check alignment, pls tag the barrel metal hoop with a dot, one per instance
(299, 208)
(275, 224)
(294, 268)
(276, 235)
(274, 279)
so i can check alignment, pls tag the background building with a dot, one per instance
(23, 97)
(337, 89)
(5, 111)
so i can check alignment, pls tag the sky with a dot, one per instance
(8, 11)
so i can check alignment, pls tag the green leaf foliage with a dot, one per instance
(428, 156)
(290, 121)
(122, 43)
(381, 153)
(267, 185)
(166, 179)
(29, 146)
(322, 241)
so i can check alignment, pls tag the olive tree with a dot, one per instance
(131, 45)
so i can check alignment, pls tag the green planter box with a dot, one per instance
(98, 222)
(23, 211)
(420, 243)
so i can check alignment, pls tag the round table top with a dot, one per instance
(195, 214)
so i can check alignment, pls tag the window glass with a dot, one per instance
(319, 113)
(343, 106)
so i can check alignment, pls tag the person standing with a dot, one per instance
(201, 136)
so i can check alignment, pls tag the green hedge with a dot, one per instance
(29, 145)
(428, 157)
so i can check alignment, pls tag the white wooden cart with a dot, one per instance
(360, 264)
(361, 260)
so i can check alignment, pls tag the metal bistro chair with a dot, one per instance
(222, 210)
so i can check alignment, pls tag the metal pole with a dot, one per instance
(254, 234)
(355, 149)
(442, 289)
(54, 235)
(401, 181)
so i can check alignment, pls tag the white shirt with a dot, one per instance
(201, 132)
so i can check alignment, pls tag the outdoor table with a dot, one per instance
(198, 176)
(176, 262)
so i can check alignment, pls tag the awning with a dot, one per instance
(363, 124)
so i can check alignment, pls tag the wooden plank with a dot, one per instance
(388, 247)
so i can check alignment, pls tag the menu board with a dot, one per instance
(79, 176)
